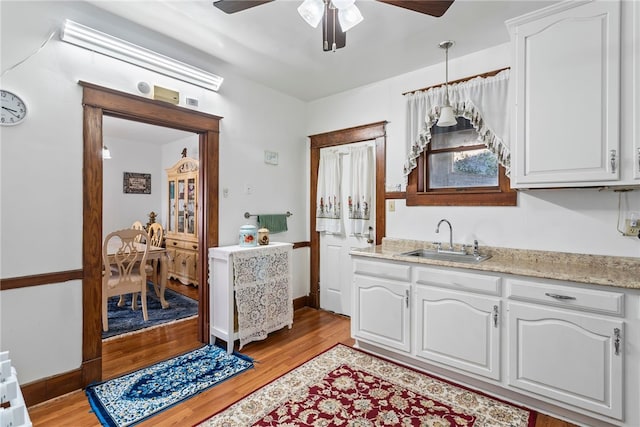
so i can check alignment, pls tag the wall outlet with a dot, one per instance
(631, 227)
(392, 205)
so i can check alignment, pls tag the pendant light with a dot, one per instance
(447, 118)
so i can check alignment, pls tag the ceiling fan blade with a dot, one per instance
(233, 6)
(332, 31)
(435, 8)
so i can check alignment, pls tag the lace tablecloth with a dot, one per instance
(262, 292)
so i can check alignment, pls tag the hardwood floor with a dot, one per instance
(313, 332)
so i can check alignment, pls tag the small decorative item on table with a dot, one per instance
(263, 236)
(248, 235)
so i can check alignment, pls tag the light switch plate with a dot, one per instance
(271, 157)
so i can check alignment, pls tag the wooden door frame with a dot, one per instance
(374, 131)
(98, 101)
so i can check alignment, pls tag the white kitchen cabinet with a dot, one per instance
(458, 329)
(630, 119)
(566, 356)
(566, 80)
(562, 347)
(381, 304)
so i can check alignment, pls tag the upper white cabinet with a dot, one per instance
(566, 82)
(631, 119)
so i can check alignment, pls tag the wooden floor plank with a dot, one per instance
(313, 332)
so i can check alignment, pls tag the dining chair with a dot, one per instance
(137, 225)
(124, 268)
(156, 236)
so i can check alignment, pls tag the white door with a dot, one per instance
(335, 262)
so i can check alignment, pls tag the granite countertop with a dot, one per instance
(622, 272)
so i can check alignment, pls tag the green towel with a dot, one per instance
(275, 223)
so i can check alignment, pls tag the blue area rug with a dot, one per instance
(131, 398)
(123, 319)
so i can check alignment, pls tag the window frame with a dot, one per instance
(418, 195)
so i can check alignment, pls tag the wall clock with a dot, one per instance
(14, 109)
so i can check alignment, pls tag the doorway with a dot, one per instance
(371, 132)
(97, 102)
(147, 151)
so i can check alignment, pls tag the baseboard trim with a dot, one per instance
(300, 302)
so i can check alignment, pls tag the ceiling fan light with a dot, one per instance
(343, 4)
(447, 118)
(312, 11)
(349, 17)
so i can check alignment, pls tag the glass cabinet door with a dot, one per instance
(181, 205)
(172, 206)
(190, 214)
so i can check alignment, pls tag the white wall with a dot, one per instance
(41, 169)
(578, 221)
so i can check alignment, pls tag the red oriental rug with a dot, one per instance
(347, 387)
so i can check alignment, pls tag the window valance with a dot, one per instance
(481, 100)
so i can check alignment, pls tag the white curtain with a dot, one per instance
(483, 101)
(360, 189)
(328, 210)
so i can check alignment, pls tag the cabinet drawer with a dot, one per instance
(473, 282)
(182, 244)
(385, 270)
(605, 302)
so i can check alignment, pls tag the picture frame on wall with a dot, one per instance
(136, 183)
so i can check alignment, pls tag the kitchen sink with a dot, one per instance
(446, 256)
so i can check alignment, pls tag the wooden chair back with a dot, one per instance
(156, 234)
(124, 259)
(137, 225)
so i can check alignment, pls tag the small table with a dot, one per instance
(154, 252)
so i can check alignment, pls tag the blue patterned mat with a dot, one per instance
(131, 398)
(123, 319)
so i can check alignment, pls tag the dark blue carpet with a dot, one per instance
(123, 319)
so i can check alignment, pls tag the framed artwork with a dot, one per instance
(136, 183)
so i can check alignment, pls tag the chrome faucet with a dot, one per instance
(450, 232)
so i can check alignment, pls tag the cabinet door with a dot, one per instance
(568, 357)
(567, 82)
(459, 330)
(381, 312)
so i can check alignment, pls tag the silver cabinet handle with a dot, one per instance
(616, 341)
(495, 316)
(638, 159)
(406, 298)
(613, 160)
(558, 296)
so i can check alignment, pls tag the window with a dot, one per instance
(455, 169)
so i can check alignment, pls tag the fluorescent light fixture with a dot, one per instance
(114, 47)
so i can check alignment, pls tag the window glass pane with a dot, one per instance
(461, 135)
(472, 168)
(461, 138)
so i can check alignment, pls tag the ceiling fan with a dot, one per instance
(338, 14)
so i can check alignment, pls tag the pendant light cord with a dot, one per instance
(446, 74)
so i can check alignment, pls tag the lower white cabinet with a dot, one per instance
(380, 312)
(458, 329)
(382, 308)
(575, 358)
(538, 341)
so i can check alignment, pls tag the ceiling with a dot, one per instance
(271, 44)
